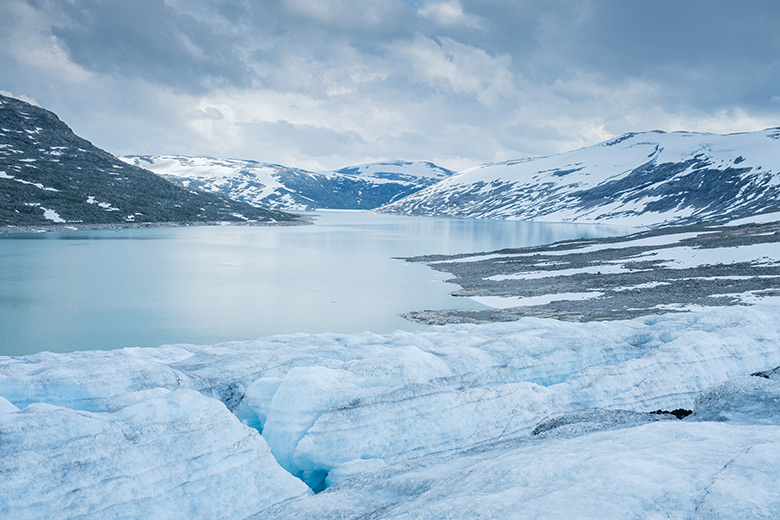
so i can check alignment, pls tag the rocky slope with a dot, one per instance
(649, 178)
(49, 175)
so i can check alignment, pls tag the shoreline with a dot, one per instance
(301, 221)
(664, 270)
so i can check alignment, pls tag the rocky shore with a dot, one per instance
(143, 225)
(670, 269)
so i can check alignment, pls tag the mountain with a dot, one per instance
(49, 175)
(648, 178)
(400, 171)
(272, 185)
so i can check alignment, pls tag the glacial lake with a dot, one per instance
(87, 290)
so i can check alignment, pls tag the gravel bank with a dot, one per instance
(671, 269)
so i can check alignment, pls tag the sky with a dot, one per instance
(322, 84)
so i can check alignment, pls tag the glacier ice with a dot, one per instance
(440, 420)
(159, 454)
(665, 469)
(742, 399)
(592, 464)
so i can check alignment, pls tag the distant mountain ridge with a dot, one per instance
(280, 187)
(49, 175)
(648, 178)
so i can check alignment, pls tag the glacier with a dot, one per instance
(524, 419)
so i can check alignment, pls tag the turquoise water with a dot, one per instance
(87, 290)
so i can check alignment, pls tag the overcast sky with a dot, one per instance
(322, 84)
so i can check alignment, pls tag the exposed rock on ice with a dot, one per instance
(768, 374)
(580, 423)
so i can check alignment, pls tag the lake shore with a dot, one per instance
(302, 221)
(672, 269)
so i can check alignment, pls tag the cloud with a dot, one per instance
(332, 83)
(26, 37)
(448, 12)
(207, 113)
(150, 40)
(458, 69)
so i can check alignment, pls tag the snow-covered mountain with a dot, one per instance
(275, 186)
(648, 178)
(51, 176)
(408, 172)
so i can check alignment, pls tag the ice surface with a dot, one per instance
(668, 469)
(438, 421)
(160, 454)
(757, 219)
(744, 399)
(687, 257)
(506, 302)
(6, 406)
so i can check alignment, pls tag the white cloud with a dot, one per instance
(32, 45)
(458, 68)
(448, 12)
(327, 84)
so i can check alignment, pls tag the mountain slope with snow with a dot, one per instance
(399, 171)
(649, 178)
(280, 187)
(49, 175)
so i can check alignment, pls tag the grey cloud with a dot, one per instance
(147, 39)
(306, 140)
(476, 80)
(712, 53)
(207, 113)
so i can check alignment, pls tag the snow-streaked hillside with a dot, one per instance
(648, 178)
(49, 177)
(280, 187)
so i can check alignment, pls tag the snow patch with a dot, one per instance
(50, 214)
(506, 302)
